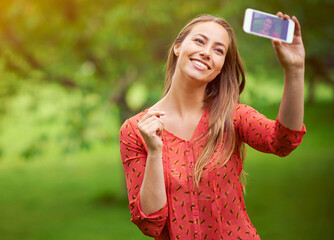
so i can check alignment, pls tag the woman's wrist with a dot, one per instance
(155, 153)
(294, 74)
(296, 69)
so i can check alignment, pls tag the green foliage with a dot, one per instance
(48, 121)
(136, 96)
(84, 56)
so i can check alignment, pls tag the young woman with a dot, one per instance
(269, 28)
(183, 156)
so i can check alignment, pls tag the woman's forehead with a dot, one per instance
(212, 31)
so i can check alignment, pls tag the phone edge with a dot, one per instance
(260, 35)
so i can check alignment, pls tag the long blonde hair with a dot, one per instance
(222, 93)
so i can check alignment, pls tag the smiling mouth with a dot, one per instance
(200, 64)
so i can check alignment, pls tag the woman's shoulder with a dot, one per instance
(133, 121)
(129, 132)
(241, 111)
(242, 108)
(136, 118)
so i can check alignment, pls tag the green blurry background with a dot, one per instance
(71, 71)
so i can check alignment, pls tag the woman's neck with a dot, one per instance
(183, 99)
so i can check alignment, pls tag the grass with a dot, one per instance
(82, 197)
(291, 198)
(70, 199)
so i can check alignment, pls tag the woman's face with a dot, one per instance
(267, 24)
(202, 53)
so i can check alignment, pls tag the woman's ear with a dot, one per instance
(176, 49)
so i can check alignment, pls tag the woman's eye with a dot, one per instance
(220, 51)
(199, 40)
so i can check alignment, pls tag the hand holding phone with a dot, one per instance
(268, 25)
(291, 56)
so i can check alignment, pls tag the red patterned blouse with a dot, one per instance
(215, 209)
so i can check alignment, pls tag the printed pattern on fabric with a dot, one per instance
(216, 208)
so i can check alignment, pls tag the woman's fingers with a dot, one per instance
(276, 43)
(286, 17)
(297, 26)
(151, 125)
(155, 128)
(281, 15)
(150, 117)
(297, 31)
(156, 113)
(151, 128)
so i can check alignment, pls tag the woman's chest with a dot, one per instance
(180, 158)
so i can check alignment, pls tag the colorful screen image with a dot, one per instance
(269, 26)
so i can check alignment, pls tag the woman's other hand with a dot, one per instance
(151, 128)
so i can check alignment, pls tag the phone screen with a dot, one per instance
(269, 26)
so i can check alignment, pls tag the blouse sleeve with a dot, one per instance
(264, 134)
(133, 155)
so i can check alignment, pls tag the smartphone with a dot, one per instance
(268, 25)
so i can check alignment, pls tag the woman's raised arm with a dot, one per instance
(292, 58)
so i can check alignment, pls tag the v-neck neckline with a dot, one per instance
(197, 129)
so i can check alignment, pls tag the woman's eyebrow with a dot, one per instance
(206, 38)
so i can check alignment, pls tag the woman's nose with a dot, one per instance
(206, 53)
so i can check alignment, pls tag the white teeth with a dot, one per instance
(200, 64)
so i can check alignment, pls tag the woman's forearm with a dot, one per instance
(291, 112)
(153, 191)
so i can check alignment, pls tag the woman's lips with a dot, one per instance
(200, 65)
